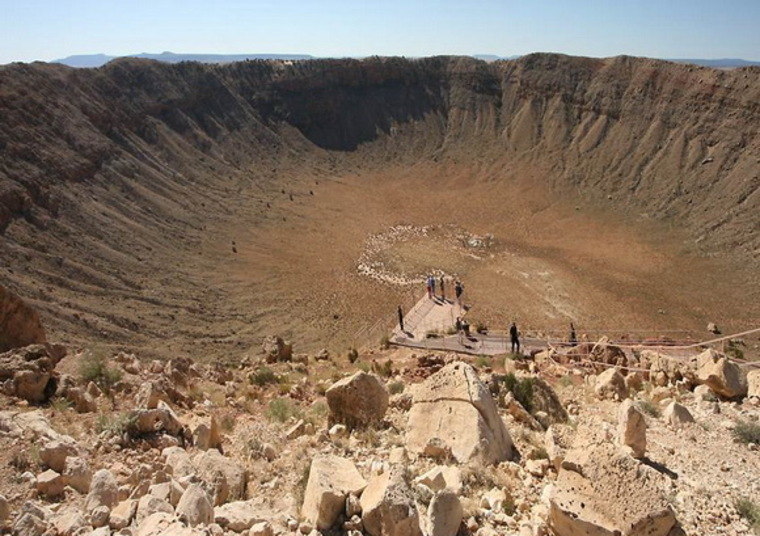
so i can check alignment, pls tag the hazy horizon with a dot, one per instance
(47, 30)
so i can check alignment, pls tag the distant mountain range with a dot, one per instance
(97, 60)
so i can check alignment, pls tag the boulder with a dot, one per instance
(519, 413)
(70, 522)
(104, 491)
(494, 499)
(753, 384)
(557, 441)
(149, 505)
(5, 509)
(455, 411)
(239, 516)
(122, 514)
(195, 508)
(207, 436)
(676, 414)
(445, 514)
(602, 491)
(81, 400)
(50, 484)
(54, 454)
(275, 349)
(331, 479)
(77, 473)
(28, 524)
(667, 370)
(610, 384)
(29, 371)
(388, 506)
(721, 375)
(261, 529)
(148, 421)
(170, 491)
(178, 461)
(632, 429)
(358, 400)
(100, 516)
(19, 323)
(441, 477)
(226, 477)
(545, 400)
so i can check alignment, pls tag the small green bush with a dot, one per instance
(93, 367)
(482, 361)
(113, 425)
(565, 381)
(538, 454)
(363, 366)
(383, 369)
(385, 342)
(649, 407)
(263, 376)
(353, 355)
(750, 511)
(522, 389)
(60, 404)
(396, 388)
(282, 409)
(747, 432)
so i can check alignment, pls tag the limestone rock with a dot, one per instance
(77, 473)
(104, 491)
(54, 454)
(331, 479)
(557, 440)
(610, 384)
(69, 523)
(122, 514)
(50, 483)
(194, 508)
(454, 409)
(261, 529)
(632, 429)
(602, 491)
(358, 400)
(753, 383)
(445, 514)
(82, 401)
(239, 516)
(722, 376)
(441, 477)
(19, 323)
(275, 349)
(207, 436)
(30, 371)
(519, 413)
(148, 421)
(676, 414)
(99, 517)
(545, 400)
(388, 507)
(227, 477)
(149, 505)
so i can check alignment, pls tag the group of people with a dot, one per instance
(430, 283)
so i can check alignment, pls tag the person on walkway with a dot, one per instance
(432, 285)
(429, 287)
(443, 290)
(458, 327)
(401, 318)
(458, 289)
(573, 336)
(514, 336)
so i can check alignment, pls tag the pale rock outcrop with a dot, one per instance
(29, 373)
(494, 499)
(632, 429)
(104, 491)
(519, 413)
(667, 370)
(19, 323)
(275, 349)
(239, 516)
(610, 384)
(122, 514)
(77, 473)
(331, 480)
(100, 516)
(388, 507)
(81, 400)
(207, 436)
(675, 414)
(147, 421)
(602, 491)
(455, 411)
(753, 384)
(70, 522)
(441, 477)
(557, 440)
(444, 514)
(545, 400)
(195, 508)
(263, 528)
(149, 505)
(50, 484)
(722, 376)
(55, 453)
(227, 477)
(358, 400)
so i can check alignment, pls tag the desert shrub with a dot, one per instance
(451, 331)
(385, 342)
(649, 407)
(317, 413)
(747, 432)
(750, 511)
(538, 454)
(482, 361)
(263, 376)
(383, 369)
(565, 381)
(432, 334)
(282, 409)
(60, 403)
(227, 422)
(733, 350)
(94, 367)
(481, 327)
(396, 388)
(321, 387)
(353, 355)
(369, 437)
(521, 388)
(363, 366)
(114, 425)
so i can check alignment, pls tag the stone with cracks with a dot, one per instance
(610, 384)
(77, 473)
(601, 491)
(104, 491)
(632, 429)
(19, 323)
(441, 477)
(454, 410)
(30, 371)
(358, 400)
(753, 383)
(331, 479)
(676, 414)
(55, 453)
(721, 375)
(194, 507)
(445, 514)
(227, 477)
(50, 483)
(239, 516)
(388, 506)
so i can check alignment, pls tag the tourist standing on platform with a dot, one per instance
(458, 289)
(573, 336)
(443, 290)
(429, 284)
(401, 318)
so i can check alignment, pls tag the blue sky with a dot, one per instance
(49, 29)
